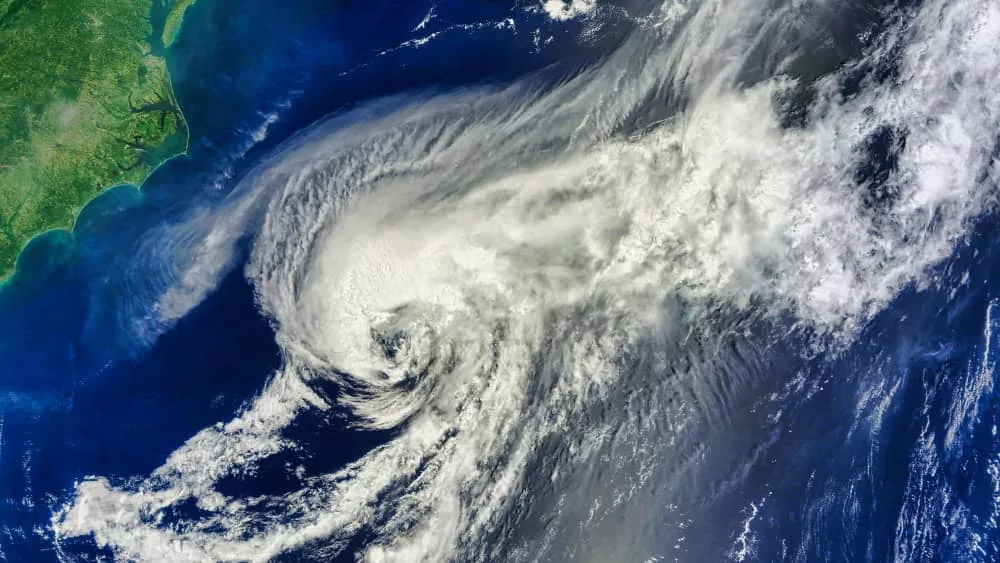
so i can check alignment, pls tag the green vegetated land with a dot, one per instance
(175, 17)
(84, 105)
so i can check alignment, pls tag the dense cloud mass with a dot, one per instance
(482, 273)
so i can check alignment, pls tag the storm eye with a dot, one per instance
(392, 345)
(878, 161)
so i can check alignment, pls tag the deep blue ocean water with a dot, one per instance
(846, 471)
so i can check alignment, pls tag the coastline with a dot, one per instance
(174, 21)
(10, 277)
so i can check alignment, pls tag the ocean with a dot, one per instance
(525, 281)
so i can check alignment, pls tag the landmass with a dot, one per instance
(84, 105)
(175, 19)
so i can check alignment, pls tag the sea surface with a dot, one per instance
(521, 281)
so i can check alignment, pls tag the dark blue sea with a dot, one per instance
(787, 373)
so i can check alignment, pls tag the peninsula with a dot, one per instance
(84, 105)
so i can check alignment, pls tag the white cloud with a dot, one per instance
(561, 10)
